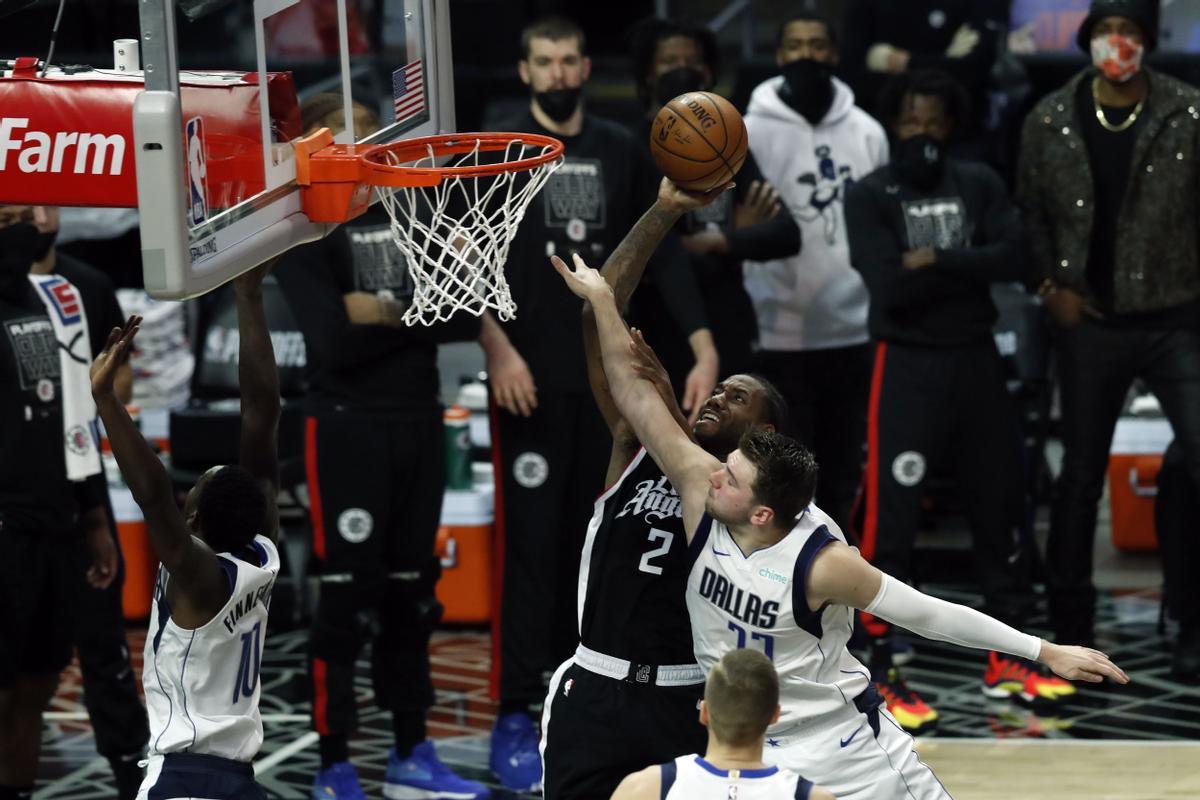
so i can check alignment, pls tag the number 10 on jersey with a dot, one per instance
(768, 641)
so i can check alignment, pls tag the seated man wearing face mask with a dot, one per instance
(930, 235)
(669, 59)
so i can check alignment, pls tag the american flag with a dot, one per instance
(408, 90)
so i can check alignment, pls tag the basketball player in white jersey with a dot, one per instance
(741, 698)
(219, 562)
(770, 571)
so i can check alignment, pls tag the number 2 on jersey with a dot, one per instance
(655, 534)
(767, 639)
(247, 675)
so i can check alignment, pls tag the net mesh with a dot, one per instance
(456, 235)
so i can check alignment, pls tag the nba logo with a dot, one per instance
(197, 209)
(568, 686)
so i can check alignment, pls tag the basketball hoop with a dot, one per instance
(453, 223)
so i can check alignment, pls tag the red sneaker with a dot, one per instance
(1015, 678)
(913, 713)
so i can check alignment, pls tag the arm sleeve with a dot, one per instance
(997, 255)
(875, 252)
(778, 237)
(902, 605)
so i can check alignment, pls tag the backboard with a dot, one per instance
(216, 181)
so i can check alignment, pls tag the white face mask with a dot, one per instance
(1117, 56)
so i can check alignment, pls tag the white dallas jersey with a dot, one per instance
(693, 778)
(758, 601)
(202, 685)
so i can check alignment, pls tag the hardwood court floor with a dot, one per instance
(980, 769)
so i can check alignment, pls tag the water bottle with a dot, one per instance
(456, 421)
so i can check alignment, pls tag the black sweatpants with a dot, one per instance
(1097, 363)
(549, 471)
(826, 392)
(375, 486)
(598, 730)
(109, 682)
(929, 405)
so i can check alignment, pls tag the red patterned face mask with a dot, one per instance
(1117, 56)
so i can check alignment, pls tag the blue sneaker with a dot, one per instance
(515, 758)
(338, 782)
(423, 776)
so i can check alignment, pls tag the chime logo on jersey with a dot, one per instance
(737, 602)
(656, 498)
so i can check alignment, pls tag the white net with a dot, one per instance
(456, 235)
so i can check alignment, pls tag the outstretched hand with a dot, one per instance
(1080, 664)
(584, 281)
(683, 200)
(104, 368)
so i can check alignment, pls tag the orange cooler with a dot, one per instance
(1136, 457)
(140, 562)
(464, 545)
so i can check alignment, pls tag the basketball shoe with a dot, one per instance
(913, 713)
(423, 776)
(515, 758)
(337, 782)
(1017, 679)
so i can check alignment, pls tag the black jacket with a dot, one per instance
(974, 228)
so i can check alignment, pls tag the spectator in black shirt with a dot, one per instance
(930, 235)
(552, 443)
(671, 58)
(42, 511)
(375, 455)
(109, 683)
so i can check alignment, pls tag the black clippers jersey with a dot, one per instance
(633, 573)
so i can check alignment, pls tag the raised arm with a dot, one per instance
(623, 271)
(686, 465)
(258, 378)
(192, 565)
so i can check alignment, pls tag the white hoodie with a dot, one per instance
(813, 300)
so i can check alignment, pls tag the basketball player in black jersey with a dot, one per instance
(629, 696)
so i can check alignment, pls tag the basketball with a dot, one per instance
(698, 141)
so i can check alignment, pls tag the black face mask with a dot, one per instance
(558, 104)
(680, 80)
(919, 161)
(808, 87)
(21, 244)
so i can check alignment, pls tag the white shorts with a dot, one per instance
(846, 757)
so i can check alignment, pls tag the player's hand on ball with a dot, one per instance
(682, 201)
(1080, 664)
(584, 281)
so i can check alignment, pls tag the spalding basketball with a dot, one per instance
(699, 141)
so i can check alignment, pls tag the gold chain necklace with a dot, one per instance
(1103, 120)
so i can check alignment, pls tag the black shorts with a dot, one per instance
(598, 730)
(187, 775)
(39, 589)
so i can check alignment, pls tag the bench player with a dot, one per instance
(628, 696)
(741, 699)
(770, 571)
(219, 562)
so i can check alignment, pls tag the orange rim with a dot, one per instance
(377, 171)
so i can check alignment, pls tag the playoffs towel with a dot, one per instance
(66, 313)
